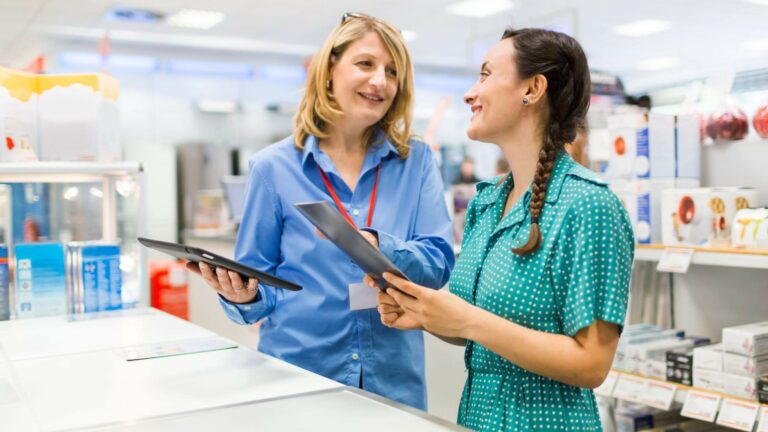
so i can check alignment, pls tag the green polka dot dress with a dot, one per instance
(579, 273)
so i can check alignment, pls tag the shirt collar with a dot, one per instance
(489, 191)
(380, 149)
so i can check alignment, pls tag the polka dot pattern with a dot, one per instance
(579, 273)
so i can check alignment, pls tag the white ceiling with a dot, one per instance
(706, 35)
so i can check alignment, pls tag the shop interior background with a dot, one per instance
(231, 89)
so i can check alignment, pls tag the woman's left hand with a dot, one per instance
(438, 311)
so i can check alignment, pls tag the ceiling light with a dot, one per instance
(409, 35)
(756, 45)
(641, 28)
(658, 63)
(479, 8)
(196, 19)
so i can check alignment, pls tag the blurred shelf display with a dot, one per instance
(635, 388)
(712, 256)
(92, 213)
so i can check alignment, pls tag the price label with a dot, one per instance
(675, 260)
(606, 388)
(659, 394)
(738, 414)
(629, 388)
(701, 405)
(763, 425)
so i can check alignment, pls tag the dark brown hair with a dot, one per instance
(561, 60)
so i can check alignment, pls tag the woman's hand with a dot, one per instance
(437, 311)
(392, 315)
(227, 283)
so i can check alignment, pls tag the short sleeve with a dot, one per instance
(592, 261)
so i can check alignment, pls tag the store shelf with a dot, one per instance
(64, 172)
(712, 256)
(680, 394)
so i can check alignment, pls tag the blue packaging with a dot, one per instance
(96, 277)
(5, 294)
(41, 286)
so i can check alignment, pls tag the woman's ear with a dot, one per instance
(537, 88)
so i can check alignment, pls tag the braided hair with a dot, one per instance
(561, 60)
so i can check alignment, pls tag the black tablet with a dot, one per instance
(194, 254)
(326, 217)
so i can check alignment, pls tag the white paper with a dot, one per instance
(606, 388)
(762, 426)
(659, 394)
(143, 352)
(701, 405)
(738, 414)
(361, 296)
(675, 260)
(629, 388)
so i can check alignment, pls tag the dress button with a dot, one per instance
(355, 356)
(355, 212)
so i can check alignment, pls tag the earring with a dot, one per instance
(525, 101)
(328, 84)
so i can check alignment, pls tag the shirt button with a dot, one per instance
(355, 212)
(355, 356)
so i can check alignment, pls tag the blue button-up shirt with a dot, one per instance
(314, 328)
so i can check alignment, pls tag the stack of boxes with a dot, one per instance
(736, 366)
(651, 153)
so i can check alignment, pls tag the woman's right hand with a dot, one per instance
(228, 284)
(392, 315)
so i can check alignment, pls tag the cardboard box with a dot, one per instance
(749, 339)
(628, 340)
(686, 217)
(673, 146)
(743, 365)
(724, 204)
(679, 366)
(41, 286)
(708, 357)
(628, 137)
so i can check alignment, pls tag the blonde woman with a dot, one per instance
(352, 146)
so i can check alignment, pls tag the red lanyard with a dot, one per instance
(335, 197)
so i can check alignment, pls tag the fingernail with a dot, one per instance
(387, 276)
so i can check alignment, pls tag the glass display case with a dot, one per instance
(73, 224)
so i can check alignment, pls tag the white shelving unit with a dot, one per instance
(711, 256)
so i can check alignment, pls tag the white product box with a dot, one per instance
(735, 385)
(750, 228)
(749, 339)
(724, 204)
(628, 137)
(673, 146)
(708, 357)
(628, 341)
(686, 217)
(78, 118)
(748, 366)
(18, 116)
(655, 369)
(638, 354)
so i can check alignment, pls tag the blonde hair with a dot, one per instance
(317, 108)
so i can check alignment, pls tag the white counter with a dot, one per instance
(42, 337)
(336, 410)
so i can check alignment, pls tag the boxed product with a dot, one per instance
(724, 204)
(41, 286)
(78, 118)
(750, 228)
(708, 357)
(749, 339)
(18, 116)
(679, 366)
(642, 200)
(762, 390)
(5, 293)
(655, 368)
(628, 136)
(638, 354)
(735, 385)
(95, 277)
(686, 217)
(673, 146)
(743, 365)
(631, 339)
